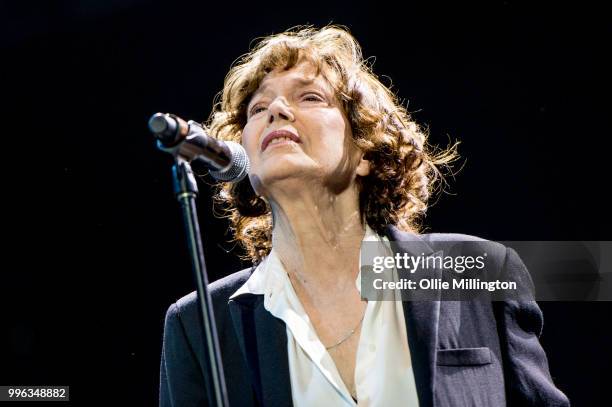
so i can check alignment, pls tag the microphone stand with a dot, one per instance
(186, 191)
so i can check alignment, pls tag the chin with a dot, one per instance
(282, 169)
(283, 165)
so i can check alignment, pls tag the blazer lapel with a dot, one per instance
(421, 321)
(263, 342)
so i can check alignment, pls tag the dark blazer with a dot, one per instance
(464, 353)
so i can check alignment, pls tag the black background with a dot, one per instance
(94, 251)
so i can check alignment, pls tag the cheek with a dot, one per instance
(250, 140)
(333, 130)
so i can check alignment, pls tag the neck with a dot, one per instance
(317, 235)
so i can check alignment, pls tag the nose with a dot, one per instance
(280, 109)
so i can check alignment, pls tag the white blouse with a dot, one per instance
(383, 370)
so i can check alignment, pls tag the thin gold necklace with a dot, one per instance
(349, 334)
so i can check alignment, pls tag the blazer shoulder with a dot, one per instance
(220, 291)
(452, 237)
(395, 234)
(447, 241)
(496, 252)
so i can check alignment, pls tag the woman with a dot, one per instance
(336, 161)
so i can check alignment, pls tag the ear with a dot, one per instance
(363, 168)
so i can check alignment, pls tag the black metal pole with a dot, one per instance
(186, 191)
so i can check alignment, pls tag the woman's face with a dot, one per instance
(316, 143)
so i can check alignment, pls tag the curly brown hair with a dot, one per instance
(404, 167)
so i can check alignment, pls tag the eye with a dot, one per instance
(256, 109)
(313, 96)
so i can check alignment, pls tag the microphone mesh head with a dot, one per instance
(239, 165)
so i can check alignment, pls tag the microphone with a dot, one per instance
(227, 161)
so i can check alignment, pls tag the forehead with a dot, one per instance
(302, 74)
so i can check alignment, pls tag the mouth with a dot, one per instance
(279, 137)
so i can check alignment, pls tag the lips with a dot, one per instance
(278, 134)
